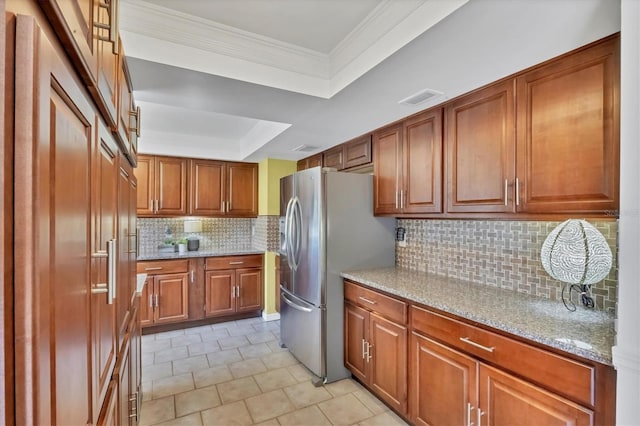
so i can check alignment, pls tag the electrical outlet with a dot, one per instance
(401, 237)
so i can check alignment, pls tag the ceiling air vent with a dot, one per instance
(421, 97)
(305, 148)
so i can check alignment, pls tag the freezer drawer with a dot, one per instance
(301, 331)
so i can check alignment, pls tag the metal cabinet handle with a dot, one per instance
(364, 344)
(192, 277)
(517, 192)
(154, 268)
(369, 355)
(134, 235)
(157, 300)
(99, 289)
(111, 27)
(402, 199)
(111, 277)
(506, 192)
(477, 345)
(136, 114)
(151, 305)
(479, 413)
(469, 408)
(236, 263)
(364, 299)
(397, 199)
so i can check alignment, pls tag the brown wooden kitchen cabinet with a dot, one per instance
(222, 188)
(568, 133)
(375, 342)
(166, 292)
(162, 186)
(125, 109)
(309, 162)
(450, 381)
(408, 166)
(89, 31)
(233, 284)
(354, 153)
(480, 143)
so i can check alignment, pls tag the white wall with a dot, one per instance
(626, 353)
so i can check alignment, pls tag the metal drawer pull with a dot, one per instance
(364, 344)
(369, 356)
(99, 254)
(372, 302)
(517, 192)
(477, 345)
(506, 192)
(236, 263)
(480, 414)
(469, 408)
(100, 288)
(155, 268)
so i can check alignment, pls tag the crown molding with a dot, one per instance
(167, 36)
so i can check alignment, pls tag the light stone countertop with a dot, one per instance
(586, 333)
(197, 253)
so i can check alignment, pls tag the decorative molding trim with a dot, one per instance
(270, 317)
(191, 42)
(625, 359)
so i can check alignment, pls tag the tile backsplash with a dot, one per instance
(502, 254)
(217, 233)
(266, 236)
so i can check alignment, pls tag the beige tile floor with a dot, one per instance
(235, 373)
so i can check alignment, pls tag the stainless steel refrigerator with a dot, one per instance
(326, 226)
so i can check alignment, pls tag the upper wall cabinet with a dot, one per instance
(480, 140)
(309, 162)
(354, 153)
(89, 31)
(568, 133)
(127, 127)
(162, 186)
(408, 166)
(171, 186)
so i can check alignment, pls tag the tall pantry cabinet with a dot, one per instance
(71, 357)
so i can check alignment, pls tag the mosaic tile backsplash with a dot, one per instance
(266, 236)
(217, 233)
(502, 254)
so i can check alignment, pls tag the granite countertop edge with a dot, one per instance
(197, 253)
(532, 322)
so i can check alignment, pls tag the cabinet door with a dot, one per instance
(147, 303)
(480, 138)
(171, 185)
(242, 189)
(73, 21)
(107, 76)
(220, 292)
(442, 384)
(387, 170)
(109, 414)
(206, 184)
(123, 266)
(334, 157)
(388, 351)
(568, 133)
(124, 103)
(172, 296)
(135, 365)
(422, 156)
(145, 176)
(52, 201)
(357, 152)
(506, 400)
(103, 313)
(356, 332)
(125, 406)
(249, 290)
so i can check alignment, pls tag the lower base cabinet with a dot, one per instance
(165, 298)
(233, 285)
(375, 346)
(442, 371)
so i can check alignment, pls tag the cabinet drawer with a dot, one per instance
(233, 262)
(387, 306)
(163, 267)
(565, 376)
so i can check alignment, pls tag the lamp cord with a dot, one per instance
(583, 290)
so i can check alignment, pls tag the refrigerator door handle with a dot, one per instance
(295, 235)
(293, 304)
(287, 231)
